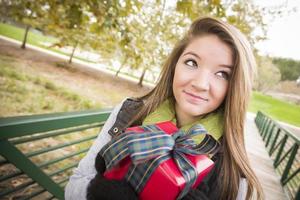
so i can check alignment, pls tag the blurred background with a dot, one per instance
(130, 40)
(63, 55)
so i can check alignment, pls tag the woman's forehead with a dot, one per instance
(209, 48)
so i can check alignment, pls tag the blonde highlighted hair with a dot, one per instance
(234, 162)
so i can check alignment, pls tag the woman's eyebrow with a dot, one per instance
(197, 56)
(192, 53)
(226, 66)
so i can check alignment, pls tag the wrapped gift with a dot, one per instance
(159, 161)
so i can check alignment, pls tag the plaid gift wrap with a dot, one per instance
(140, 151)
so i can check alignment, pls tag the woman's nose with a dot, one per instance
(201, 80)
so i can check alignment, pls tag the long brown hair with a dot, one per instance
(234, 163)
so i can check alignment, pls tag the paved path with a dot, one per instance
(262, 163)
(284, 96)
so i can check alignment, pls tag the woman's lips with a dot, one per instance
(195, 98)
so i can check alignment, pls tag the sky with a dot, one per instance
(283, 33)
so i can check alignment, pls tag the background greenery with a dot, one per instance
(275, 108)
(21, 92)
(122, 31)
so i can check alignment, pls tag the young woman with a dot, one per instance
(206, 79)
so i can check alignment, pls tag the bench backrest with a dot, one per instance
(39, 152)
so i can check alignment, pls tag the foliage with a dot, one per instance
(289, 69)
(246, 16)
(268, 75)
(36, 38)
(86, 23)
(147, 37)
(28, 13)
(289, 87)
(65, 21)
(138, 34)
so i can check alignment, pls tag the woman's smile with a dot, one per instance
(194, 99)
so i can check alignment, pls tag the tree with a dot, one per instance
(67, 21)
(146, 37)
(139, 34)
(289, 69)
(110, 26)
(27, 12)
(246, 16)
(87, 23)
(268, 74)
(4, 7)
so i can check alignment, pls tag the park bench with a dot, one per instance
(32, 171)
(39, 152)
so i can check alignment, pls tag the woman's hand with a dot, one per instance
(195, 194)
(101, 188)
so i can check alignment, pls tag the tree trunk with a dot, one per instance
(142, 77)
(119, 70)
(71, 56)
(23, 46)
(122, 65)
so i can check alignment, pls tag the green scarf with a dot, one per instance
(213, 122)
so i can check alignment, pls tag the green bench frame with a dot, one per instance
(23, 129)
(282, 147)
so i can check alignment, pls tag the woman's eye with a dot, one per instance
(191, 63)
(223, 74)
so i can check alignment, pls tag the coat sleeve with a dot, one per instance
(78, 182)
(243, 188)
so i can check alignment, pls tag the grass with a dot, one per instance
(34, 38)
(275, 108)
(22, 93)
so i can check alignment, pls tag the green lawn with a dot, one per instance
(34, 38)
(275, 108)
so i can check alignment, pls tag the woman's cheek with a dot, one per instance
(219, 90)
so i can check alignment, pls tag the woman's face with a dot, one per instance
(201, 77)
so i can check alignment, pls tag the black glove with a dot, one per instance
(208, 189)
(195, 194)
(100, 188)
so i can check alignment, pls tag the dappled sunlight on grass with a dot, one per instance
(22, 93)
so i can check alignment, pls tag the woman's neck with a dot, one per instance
(183, 119)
